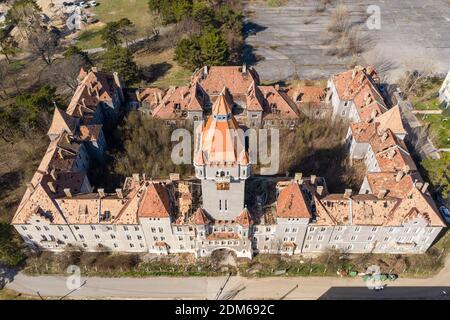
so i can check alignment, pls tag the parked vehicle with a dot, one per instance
(92, 3)
(445, 213)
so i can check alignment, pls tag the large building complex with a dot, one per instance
(393, 212)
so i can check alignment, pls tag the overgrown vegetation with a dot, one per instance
(217, 27)
(147, 148)
(11, 253)
(438, 173)
(317, 147)
(329, 263)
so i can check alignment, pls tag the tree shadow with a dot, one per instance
(155, 71)
(10, 181)
(252, 28)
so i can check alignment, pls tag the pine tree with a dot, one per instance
(214, 49)
(118, 59)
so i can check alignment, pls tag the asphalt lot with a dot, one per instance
(413, 34)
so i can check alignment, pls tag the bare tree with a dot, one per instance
(64, 71)
(44, 44)
(340, 20)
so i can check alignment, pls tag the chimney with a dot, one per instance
(51, 185)
(348, 193)
(419, 185)
(68, 192)
(244, 68)
(298, 176)
(361, 79)
(119, 193)
(53, 174)
(159, 96)
(406, 169)
(94, 69)
(136, 177)
(384, 136)
(382, 193)
(425, 187)
(60, 154)
(101, 192)
(174, 176)
(319, 190)
(353, 73)
(373, 114)
(143, 177)
(399, 176)
(277, 87)
(313, 178)
(117, 79)
(29, 185)
(205, 71)
(391, 154)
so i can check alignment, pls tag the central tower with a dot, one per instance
(221, 161)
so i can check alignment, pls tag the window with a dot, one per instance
(309, 238)
(357, 229)
(293, 239)
(311, 229)
(287, 230)
(320, 238)
(29, 236)
(131, 245)
(139, 237)
(24, 228)
(93, 228)
(125, 228)
(128, 237)
(354, 238)
(77, 227)
(226, 205)
(155, 238)
(160, 230)
(136, 228)
(180, 238)
(97, 236)
(153, 229)
(375, 229)
(46, 228)
(81, 236)
(113, 236)
(38, 228)
(323, 229)
(337, 238)
(115, 245)
(294, 230)
(64, 236)
(179, 229)
(306, 246)
(220, 205)
(370, 238)
(60, 228)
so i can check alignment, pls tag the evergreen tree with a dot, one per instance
(187, 53)
(214, 50)
(118, 59)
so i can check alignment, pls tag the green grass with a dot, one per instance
(432, 104)
(426, 97)
(439, 129)
(112, 10)
(90, 38)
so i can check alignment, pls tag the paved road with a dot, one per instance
(413, 34)
(236, 288)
